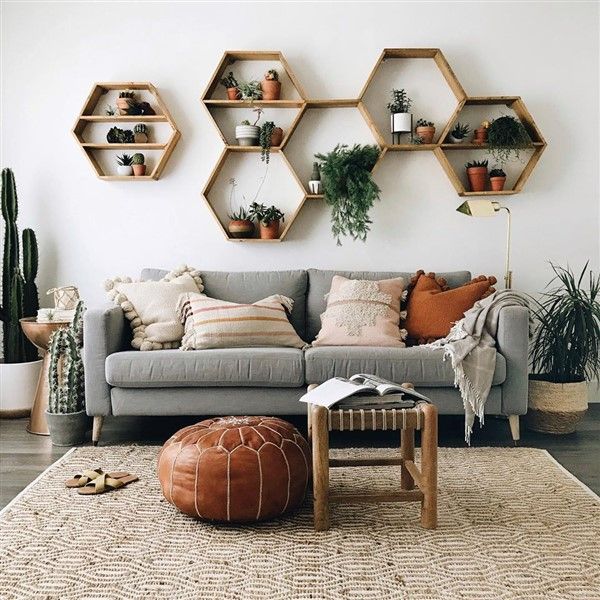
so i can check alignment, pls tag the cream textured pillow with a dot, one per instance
(211, 323)
(363, 313)
(151, 306)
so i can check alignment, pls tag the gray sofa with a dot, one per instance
(122, 381)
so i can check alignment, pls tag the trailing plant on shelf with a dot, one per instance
(230, 83)
(268, 219)
(506, 136)
(459, 133)
(250, 91)
(271, 86)
(269, 136)
(138, 161)
(477, 172)
(349, 188)
(124, 164)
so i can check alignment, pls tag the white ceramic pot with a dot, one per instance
(401, 122)
(315, 187)
(18, 384)
(124, 170)
(456, 140)
(247, 135)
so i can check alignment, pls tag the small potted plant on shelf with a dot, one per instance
(230, 83)
(506, 137)
(138, 164)
(459, 133)
(269, 136)
(481, 133)
(271, 86)
(425, 130)
(125, 101)
(240, 224)
(477, 172)
(248, 134)
(250, 91)
(116, 135)
(124, 165)
(497, 179)
(314, 184)
(565, 351)
(140, 133)
(400, 118)
(268, 220)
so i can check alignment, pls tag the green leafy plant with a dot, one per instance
(400, 103)
(424, 123)
(264, 139)
(250, 90)
(125, 160)
(272, 75)
(229, 81)
(506, 137)
(496, 172)
(460, 131)
(116, 135)
(349, 188)
(265, 215)
(566, 344)
(110, 110)
(138, 159)
(476, 163)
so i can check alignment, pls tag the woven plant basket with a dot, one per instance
(556, 407)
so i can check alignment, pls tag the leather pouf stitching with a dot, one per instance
(236, 469)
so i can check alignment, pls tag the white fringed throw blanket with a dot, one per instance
(471, 345)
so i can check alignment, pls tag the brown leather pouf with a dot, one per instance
(236, 469)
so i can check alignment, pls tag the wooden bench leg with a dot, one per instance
(429, 447)
(320, 457)
(407, 452)
(312, 386)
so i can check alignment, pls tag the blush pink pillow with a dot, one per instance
(363, 313)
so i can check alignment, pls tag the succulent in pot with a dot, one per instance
(497, 179)
(230, 83)
(240, 224)
(116, 135)
(481, 133)
(459, 133)
(138, 164)
(248, 134)
(140, 133)
(269, 219)
(565, 351)
(400, 118)
(425, 130)
(477, 172)
(271, 86)
(314, 184)
(250, 91)
(507, 136)
(125, 101)
(124, 165)
(269, 136)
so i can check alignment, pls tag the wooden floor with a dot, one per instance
(24, 456)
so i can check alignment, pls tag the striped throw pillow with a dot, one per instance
(212, 323)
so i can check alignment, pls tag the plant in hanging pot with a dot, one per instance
(140, 133)
(250, 91)
(124, 165)
(125, 101)
(230, 83)
(20, 366)
(269, 136)
(268, 219)
(138, 164)
(497, 179)
(349, 188)
(477, 172)
(565, 351)
(66, 416)
(481, 133)
(425, 130)
(271, 86)
(400, 118)
(459, 133)
(240, 220)
(247, 134)
(314, 184)
(507, 137)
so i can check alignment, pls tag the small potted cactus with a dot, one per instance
(124, 165)
(481, 133)
(425, 130)
(400, 118)
(125, 101)
(230, 83)
(459, 133)
(140, 133)
(477, 172)
(268, 220)
(497, 179)
(138, 164)
(248, 134)
(271, 86)
(314, 184)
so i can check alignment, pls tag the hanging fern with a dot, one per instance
(349, 188)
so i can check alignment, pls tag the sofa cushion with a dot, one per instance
(250, 286)
(244, 367)
(418, 365)
(319, 283)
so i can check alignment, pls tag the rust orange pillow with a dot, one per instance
(433, 308)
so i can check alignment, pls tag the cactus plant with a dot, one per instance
(141, 128)
(138, 159)
(19, 291)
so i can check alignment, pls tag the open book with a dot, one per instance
(363, 391)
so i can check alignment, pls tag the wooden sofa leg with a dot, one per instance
(97, 430)
(513, 421)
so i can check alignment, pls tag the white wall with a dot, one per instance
(90, 229)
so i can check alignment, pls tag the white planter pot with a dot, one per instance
(455, 140)
(123, 170)
(18, 384)
(401, 122)
(247, 135)
(315, 186)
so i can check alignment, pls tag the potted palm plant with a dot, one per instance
(400, 118)
(230, 83)
(565, 351)
(268, 219)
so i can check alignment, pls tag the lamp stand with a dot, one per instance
(507, 271)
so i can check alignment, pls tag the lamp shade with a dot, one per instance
(479, 208)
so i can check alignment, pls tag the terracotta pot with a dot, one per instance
(477, 178)
(426, 133)
(271, 90)
(123, 105)
(242, 228)
(276, 137)
(233, 93)
(497, 183)
(139, 170)
(140, 138)
(270, 231)
(481, 136)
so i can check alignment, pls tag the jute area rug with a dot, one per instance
(513, 524)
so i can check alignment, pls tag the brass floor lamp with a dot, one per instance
(489, 208)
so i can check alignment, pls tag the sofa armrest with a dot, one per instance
(513, 344)
(103, 332)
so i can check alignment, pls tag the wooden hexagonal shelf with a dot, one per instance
(91, 115)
